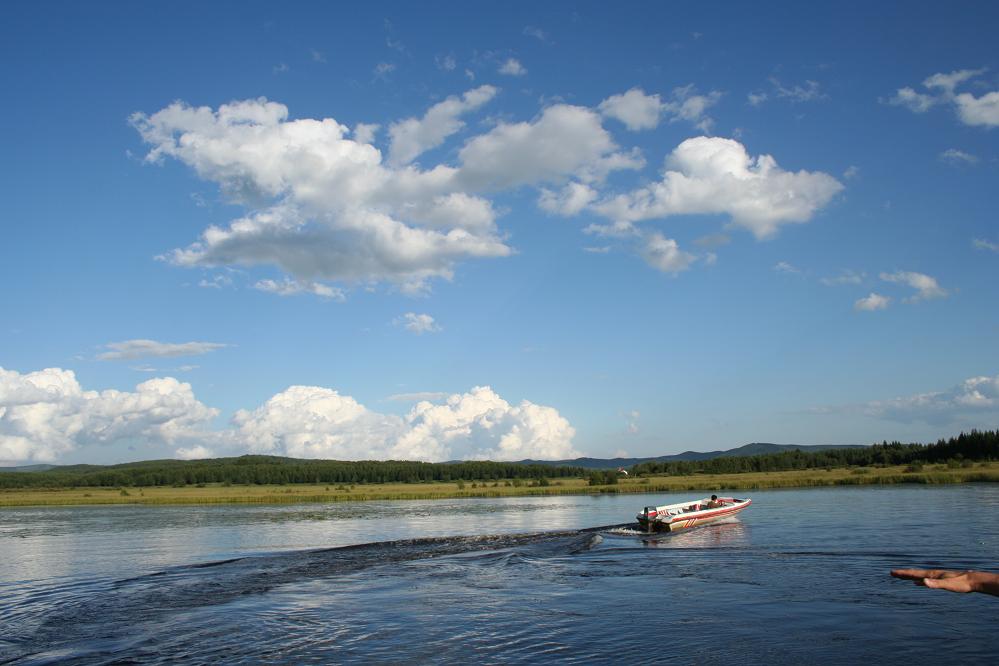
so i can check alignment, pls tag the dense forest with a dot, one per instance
(254, 469)
(272, 469)
(973, 446)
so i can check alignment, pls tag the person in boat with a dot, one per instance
(714, 503)
(954, 581)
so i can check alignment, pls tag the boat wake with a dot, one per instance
(627, 531)
(104, 609)
(59, 622)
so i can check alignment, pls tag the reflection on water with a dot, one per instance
(800, 577)
(728, 533)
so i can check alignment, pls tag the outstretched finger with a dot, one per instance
(912, 574)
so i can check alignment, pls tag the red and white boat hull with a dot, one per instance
(673, 517)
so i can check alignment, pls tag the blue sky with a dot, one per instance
(460, 231)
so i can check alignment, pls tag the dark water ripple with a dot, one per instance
(98, 612)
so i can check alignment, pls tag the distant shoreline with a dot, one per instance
(987, 472)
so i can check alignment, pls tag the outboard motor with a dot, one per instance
(649, 514)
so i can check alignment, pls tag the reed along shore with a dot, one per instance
(986, 472)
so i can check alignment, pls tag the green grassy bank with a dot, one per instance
(297, 493)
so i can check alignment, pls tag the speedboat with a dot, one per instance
(672, 517)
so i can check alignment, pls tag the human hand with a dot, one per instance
(954, 581)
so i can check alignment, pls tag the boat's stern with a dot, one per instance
(649, 520)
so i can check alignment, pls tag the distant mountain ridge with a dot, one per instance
(754, 449)
(28, 468)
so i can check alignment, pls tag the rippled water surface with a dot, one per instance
(799, 577)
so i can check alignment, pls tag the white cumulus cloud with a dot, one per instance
(914, 101)
(46, 414)
(941, 88)
(710, 175)
(321, 205)
(418, 323)
(481, 425)
(983, 111)
(512, 67)
(664, 254)
(636, 109)
(641, 111)
(194, 453)
(872, 302)
(316, 422)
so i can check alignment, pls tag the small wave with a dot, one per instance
(628, 531)
(592, 542)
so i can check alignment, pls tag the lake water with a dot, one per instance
(800, 577)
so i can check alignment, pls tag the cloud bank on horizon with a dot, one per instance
(47, 414)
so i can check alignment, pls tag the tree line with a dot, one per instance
(255, 469)
(972, 446)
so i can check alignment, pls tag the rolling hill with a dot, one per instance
(754, 449)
